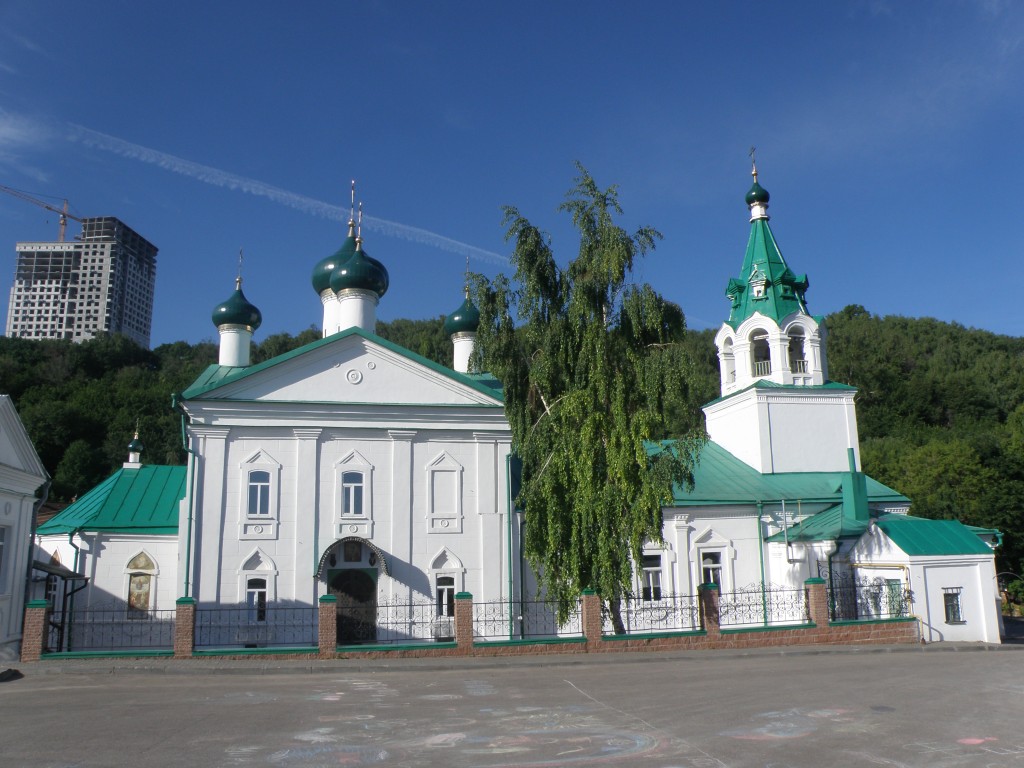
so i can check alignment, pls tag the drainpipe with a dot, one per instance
(36, 506)
(191, 498)
(68, 603)
(760, 553)
(508, 499)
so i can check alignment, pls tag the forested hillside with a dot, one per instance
(940, 406)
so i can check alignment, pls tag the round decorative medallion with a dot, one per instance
(371, 365)
(353, 528)
(354, 376)
(257, 529)
(444, 523)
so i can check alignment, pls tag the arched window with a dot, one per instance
(259, 493)
(351, 493)
(728, 363)
(445, 595)
(256, 599)
(760, 353)
(141, 570)
(797, 358)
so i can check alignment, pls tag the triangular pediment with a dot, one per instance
(349, 367)
(16, 450)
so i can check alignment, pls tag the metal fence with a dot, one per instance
(256, 627)
(399, 621)
(668, 613)
(851, 599)
(525, 620)
(111, 629)
(763, 605)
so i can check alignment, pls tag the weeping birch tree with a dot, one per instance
(591, 366)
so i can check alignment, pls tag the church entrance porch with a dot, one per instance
(356, 590)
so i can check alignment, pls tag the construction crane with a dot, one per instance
(64, 215)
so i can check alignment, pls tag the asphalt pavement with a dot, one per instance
(945, 705)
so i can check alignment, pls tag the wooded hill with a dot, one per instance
(940, 407)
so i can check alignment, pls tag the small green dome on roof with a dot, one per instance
(465, 319)
(237, 310)
(136, 446)
(757, 194)
(361, 271)
(326, 267)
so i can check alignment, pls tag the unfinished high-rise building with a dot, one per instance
(100, 283)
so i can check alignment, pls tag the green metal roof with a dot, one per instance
(783, 292)
(720, 478)
(827, 525)
(217, 376)
(918, 536)
(142, 500)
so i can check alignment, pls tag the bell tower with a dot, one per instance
(778, 411)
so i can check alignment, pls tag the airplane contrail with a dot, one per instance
(219, 178)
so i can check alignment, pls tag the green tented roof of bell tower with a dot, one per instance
(766, 284)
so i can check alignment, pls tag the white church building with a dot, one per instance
(355, 468)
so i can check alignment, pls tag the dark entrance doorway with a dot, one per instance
(356, 590)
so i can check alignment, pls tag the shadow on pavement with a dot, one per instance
(1013, 630)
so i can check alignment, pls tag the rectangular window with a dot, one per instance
(711, 568)
(256, 599)
(951, 603)
(351, 493)
(651, 587)
(445, 595)
(259, 493)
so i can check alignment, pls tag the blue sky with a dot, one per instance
(888, 133)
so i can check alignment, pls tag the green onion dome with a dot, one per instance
(325, 267)
(136, 446)
(361, 271)
(465, 319)
(757, 194)
(237, 310)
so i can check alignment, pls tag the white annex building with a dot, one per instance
(21, 476)
(353, 467)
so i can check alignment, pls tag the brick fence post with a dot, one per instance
(817, 601)
(464, 622)
(33, 633)
(184, 627)
(327, 625)
(593, 622)
(709, 603)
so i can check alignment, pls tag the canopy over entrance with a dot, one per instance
(336, 547)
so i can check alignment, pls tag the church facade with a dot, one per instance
(354, 468)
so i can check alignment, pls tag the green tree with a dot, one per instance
(589, 376)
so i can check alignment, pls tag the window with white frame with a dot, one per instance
(259, 480)
(256, 599)
(444, 624)
(446, 596)
(259, 493)
(650, 587)
(351, 494)
(711, 567)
